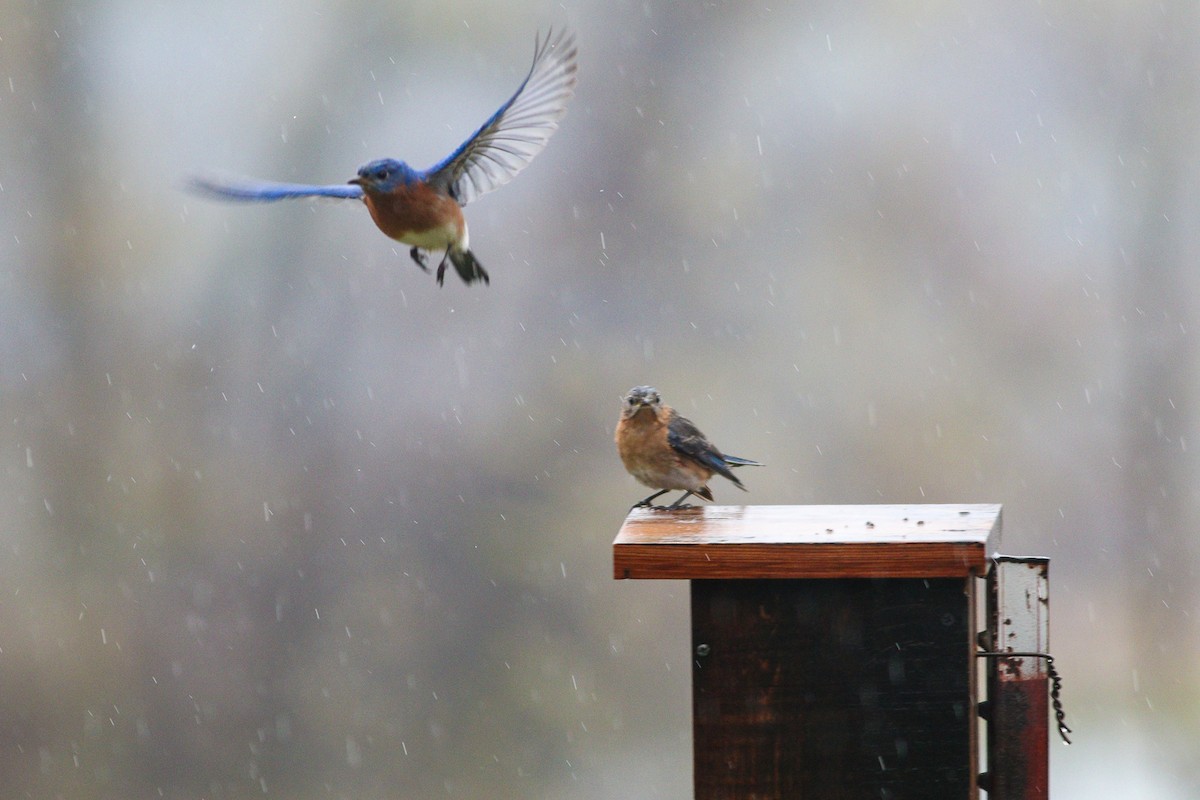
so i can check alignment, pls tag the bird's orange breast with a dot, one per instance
(646, 452)
(416, 209)
(642, 440)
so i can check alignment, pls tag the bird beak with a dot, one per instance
(356, 181)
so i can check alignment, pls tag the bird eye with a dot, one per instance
(383, 173)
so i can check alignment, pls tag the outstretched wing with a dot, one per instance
(519, 129)
(264, 191)
(687, 440)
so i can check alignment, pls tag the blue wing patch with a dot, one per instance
(265, 191)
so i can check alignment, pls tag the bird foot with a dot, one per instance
(419, 258)
(441, 270)
(653, 507)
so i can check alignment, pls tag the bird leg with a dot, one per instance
(441, 270)
(418, 256)
(646, 503)
(679, 503)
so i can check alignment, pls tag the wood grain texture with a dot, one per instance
(868, 541)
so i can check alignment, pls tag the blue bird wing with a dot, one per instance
(687, 440)
(518, 131)
(264, 191)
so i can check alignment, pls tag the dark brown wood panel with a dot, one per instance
(851, 688)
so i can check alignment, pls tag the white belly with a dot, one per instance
(670, 479)
(438, 238)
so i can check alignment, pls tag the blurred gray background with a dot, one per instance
(279, 517)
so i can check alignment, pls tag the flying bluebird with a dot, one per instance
(666, 451)
(421, 208)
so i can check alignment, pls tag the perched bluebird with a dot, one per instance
(421, 208)
(666, 451)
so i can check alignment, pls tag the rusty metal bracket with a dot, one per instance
(1060, 715)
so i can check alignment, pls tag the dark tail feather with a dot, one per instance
(468, 267)
(734, 461)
